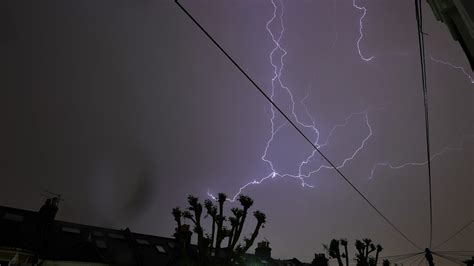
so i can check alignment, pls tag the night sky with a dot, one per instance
(125, 108)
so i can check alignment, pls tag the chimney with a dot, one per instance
(48, 211)
(263, 250)
(46, 226)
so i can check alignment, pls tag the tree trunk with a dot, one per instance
(252, 238)
(220, 220)
(347, 255)
(366, 256)
(239, 228)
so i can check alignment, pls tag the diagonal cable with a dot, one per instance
(455, 251)
(405, 259)
(448, 258)
(456, 255)
(419, 260)
(401, 255)
(293, 124)
(455, 234)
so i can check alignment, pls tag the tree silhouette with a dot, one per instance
(364, 249)
(360, 256)
(221, 198)
(219, 230)
(246, 203)
(346, 254)
(177, 213)
(379, 249)
(261, 219)
(183, 236)
(333, 251)
(212, 212)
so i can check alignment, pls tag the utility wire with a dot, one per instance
(455, 251)
(293, 124)
(419, 260)
(452, 259)
(421, 43)
(401, 255)
(455, 234)
(406, 259)
(403, 258)
(411, 261)
(448, 258)
(456, 255)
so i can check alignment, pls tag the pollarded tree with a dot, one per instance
(363, 256)
(220, 229)
(364, 249)
(211, 212)
(333, 251)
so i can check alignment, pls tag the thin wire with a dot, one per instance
(421, 43)
(291, 122)
(413, 260)
(455, 251)
(456, 255)
(455, 234)
(401, 255)
(448, 258)
(420, 260)
(405, 260)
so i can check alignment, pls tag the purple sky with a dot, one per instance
(126, 108)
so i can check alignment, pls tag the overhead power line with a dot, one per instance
(457, 255)
(455, 234)
(454, 260)
(456, 251)
(293, 124)
(401, 255)
(421, 43)
(405, 259)
(420, 261)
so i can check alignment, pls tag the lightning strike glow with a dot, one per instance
(361, 27)
(453, 66)
(276, 59)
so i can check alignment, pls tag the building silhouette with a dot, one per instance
(37, 238)
(30, 238)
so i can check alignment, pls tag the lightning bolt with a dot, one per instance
(304, 172)
(453, 66)
(367, 59)
(392, 166)
(361, 34)
(276, 59)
